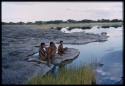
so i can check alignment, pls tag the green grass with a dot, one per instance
(83, 25)
(47, 26)
(84, 75)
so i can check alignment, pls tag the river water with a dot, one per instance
(109, 53)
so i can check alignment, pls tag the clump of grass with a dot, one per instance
(82, 27)
(86, 27)
(58, 28)
(115, 26)
(84, 75)
(105, 26)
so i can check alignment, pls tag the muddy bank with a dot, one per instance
(18, 42)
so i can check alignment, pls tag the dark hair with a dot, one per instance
(42, 44)
(61, 41)
(51, 43)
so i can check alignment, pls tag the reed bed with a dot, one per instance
(82, 76)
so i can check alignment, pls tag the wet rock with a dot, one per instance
(19, 41)
(70, 54)
(119, 82)
(23, 71)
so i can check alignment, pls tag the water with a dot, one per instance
(73, 30)
(109, 53)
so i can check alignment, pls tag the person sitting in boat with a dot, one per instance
(43, 52)
(61, 50)
(51, 52)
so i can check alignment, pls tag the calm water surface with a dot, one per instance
(109, 53)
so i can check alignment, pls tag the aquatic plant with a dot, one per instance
(80, 27)
(82, 75)
(105, 26)
(58, 28)
(115, 26)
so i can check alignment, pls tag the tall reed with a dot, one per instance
(82, 75)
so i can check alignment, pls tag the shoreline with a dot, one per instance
(71, 54)
(19, 41)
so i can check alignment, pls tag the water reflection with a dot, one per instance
(65, 30)
(109, 53)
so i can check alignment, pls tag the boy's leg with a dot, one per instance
(52, 58)
(48, 61)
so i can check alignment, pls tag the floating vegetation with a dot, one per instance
(58, 28)
(70, 27)
(84, 27)
(115, 26)
(105, 26)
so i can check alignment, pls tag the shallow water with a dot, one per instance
(73, 30)
(108, 53)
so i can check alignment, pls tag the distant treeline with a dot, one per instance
(68, 21)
